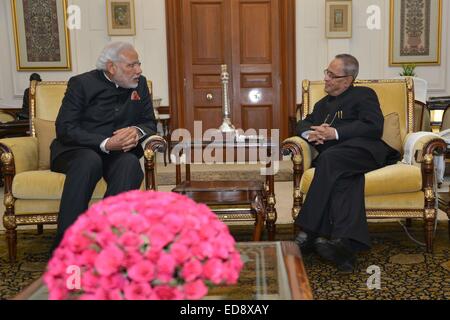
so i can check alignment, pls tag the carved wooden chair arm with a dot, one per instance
(20, 154)
(152, 145)
(300, 151)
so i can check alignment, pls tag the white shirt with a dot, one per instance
(305, 134)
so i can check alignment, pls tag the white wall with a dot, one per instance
(371, 47)
(86, 44)
(313, 50)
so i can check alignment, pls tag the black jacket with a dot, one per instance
(93, 108)
(357, 119)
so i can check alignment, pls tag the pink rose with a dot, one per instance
(192, 270)
(112, 282)
(166, 264)
(137, 291)
(130, 240)
(109, 260)
(213, 270)
(173, 222)
(90, 281)
(168, 293)
(189, 237)
(195, 290)
(203, 250)
(180, 252)
(142, 272)
(159, 237)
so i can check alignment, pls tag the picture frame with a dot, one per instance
(41, 37)
(121, 17)
(415, 41)
(338, 19)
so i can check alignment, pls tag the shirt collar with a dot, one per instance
(104, 73)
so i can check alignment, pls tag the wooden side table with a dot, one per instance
(229, 193)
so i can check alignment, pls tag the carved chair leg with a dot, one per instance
(11, 239)
(259, 224)
(40, 228)
(429, 227)
(260, 215)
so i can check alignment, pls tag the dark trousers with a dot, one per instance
(83, 169)
(334, 205)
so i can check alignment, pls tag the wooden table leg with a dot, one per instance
(260, 216)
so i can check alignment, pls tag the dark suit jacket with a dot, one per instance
(359, 122)
(93, 108)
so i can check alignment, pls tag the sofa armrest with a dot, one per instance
(300, 150)
(152, 145)
(419, 144)
(302, 154)
(20, 154)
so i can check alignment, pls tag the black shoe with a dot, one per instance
(347, 266)
(338, 252)
(305, 242)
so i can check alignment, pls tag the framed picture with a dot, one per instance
(121, 21)
(41, 35)
(338, 19)
(415, 32)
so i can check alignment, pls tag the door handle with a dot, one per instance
(209, 97)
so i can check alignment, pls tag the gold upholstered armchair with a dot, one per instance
(32, 191)
(402, 190)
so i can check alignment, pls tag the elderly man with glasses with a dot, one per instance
(104, 115)
(346, 128)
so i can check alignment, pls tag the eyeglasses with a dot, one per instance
(331, 75)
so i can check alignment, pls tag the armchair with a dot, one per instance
(402, 190)
(32, 191)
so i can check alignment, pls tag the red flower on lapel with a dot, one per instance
(135, 96)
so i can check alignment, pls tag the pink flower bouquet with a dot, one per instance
(143, 245)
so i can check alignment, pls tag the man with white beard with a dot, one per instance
(104, 115)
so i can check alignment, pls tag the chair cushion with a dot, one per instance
(46, 133)
(398, 201)
(391, 131)
(397, 178)
(45, 185)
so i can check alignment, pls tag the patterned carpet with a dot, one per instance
(406, 271)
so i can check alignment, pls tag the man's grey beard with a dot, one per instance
(127, 85)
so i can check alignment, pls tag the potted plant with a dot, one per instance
(408, 70)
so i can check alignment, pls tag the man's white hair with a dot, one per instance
(112, 53)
